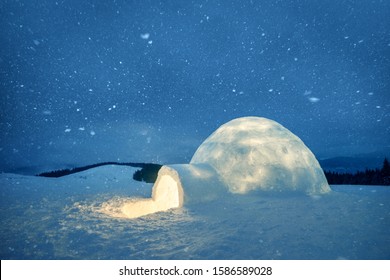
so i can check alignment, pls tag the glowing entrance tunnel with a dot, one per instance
(167, 193)
(242, 155)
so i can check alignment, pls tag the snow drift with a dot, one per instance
(243, 155)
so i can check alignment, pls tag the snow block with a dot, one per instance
(243, 155)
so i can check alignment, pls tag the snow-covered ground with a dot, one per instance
(78, 217)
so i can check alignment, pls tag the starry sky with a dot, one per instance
(147, 81)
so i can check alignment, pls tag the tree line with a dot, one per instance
(368, 177)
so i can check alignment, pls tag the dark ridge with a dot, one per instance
(380, 177)
(147, 173)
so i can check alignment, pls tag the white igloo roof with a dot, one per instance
(257, 153)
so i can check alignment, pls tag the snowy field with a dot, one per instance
(78, 217)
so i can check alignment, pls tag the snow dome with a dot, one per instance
(257, 153)
(243, 155)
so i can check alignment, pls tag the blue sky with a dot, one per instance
(88, 81)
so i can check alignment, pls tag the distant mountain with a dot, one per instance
(350, 164)
(147, 172)
(359, 162)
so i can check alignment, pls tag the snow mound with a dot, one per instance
(243, 155)
(256, 153)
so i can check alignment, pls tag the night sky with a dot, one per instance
(147, 81)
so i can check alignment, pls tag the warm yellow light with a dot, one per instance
(167, 193)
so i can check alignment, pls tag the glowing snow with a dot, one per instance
(256, 153)
(167, 193)
(242, 155)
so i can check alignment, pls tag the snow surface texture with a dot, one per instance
(66, 218)
(243, 155)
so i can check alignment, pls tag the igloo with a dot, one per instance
(241, 156)
(257, 153)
